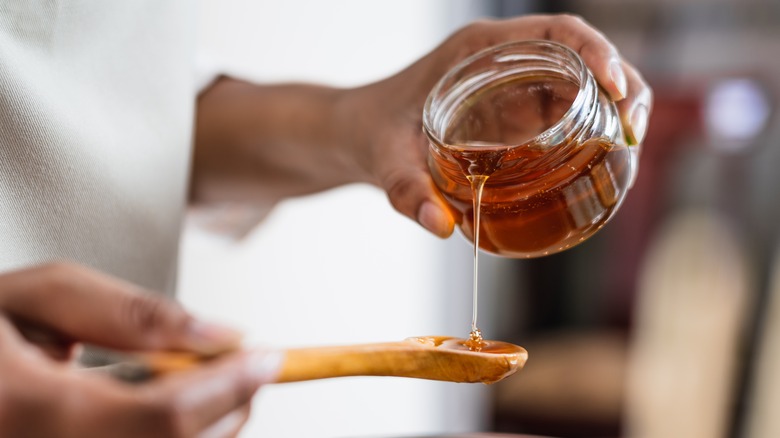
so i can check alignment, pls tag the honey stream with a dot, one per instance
(475, 341)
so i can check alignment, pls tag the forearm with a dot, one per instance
(263, 143)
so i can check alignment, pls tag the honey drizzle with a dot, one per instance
(475, 342)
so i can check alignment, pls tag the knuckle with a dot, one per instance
(474, 30)
(481, 25)
(60, 275)
(58, 271)
(399, 190)
(145, 312)
(60, 268)
(569, 19)
(468, 40)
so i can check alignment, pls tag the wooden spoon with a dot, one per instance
(428, 357)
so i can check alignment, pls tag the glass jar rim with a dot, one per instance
(516, 48)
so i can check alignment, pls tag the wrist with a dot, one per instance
(352, 120)
(256, 142)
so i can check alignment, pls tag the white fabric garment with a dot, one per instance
(96, 113)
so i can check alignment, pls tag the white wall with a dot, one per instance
(339, 267)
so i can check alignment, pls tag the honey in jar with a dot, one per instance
(525, 143)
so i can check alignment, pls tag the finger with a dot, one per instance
(26, 389)
(621, 81)
(51, 343)
(636, 107)
(202, 398)
(598, 53)
(596, 50)
(91, 307)
(411, 192)
(9, 336)
(90, 405)
(230, 425)
(11, 340)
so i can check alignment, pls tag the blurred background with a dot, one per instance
(665, 324)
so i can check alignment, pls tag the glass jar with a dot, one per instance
(529, 121)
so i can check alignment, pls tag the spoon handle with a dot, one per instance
(300, 364)
(401, 359)
(420, 358)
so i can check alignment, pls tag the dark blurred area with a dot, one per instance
(663, 324)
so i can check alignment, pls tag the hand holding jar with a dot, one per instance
(527, 149)
(393, 150)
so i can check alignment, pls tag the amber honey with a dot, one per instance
(458, 344)
(537, 199)
(557, 210)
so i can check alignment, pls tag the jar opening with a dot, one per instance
(526, 93)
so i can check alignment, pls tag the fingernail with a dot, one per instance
(210, 338)
(433, 219)
(618, 77)
(264, 366)
(639, 123)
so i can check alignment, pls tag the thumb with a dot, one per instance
(412, 193)
(91, 307)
